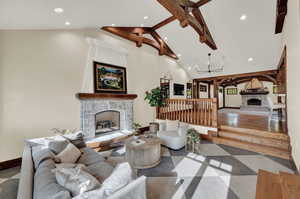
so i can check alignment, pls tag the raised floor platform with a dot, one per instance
(263, 121)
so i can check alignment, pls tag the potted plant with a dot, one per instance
(193, 140)
(136, 127)
(155, 97)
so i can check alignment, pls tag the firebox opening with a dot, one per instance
(253, 101)
(107, 121)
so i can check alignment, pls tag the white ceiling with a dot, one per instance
(236, 40)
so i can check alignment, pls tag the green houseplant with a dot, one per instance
(136, 127)
(155, 97)
(193, 140)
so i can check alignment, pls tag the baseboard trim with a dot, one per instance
(231, 107)
(10, 163)
(294, 164)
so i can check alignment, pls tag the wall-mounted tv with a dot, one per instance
(178, 89)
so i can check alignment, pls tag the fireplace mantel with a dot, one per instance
(86, 96)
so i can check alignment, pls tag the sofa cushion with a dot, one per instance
(121, 176)
(172, 125)
(89, 157)
(162, 124)
(70, 154)
(101, 170)
(76, 180)
(172, 134)
(40, 154)
(45, 185)
(57, 146)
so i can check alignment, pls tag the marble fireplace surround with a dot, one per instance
(91, 104)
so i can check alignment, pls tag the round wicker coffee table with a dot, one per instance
(143, 153)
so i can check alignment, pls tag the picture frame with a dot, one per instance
(109, 78)
(203, 88)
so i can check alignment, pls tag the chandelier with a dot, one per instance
(212, 67)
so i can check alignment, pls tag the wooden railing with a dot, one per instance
(194, 111)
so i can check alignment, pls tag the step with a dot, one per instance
(267, 134)
(268, 186)
(290, 185)
(282, 144)
(281, 153)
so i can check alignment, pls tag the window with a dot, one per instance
(232, 91)
(275, 89)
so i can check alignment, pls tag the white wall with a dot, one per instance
(291, 38)
(41, 71)
(236, 100)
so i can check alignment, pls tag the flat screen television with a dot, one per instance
(178, 89)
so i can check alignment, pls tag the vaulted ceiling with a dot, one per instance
(237, 40)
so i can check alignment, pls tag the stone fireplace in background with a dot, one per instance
(255, 96)
(102, 113)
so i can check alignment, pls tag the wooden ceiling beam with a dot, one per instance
(207, 38)
(180, 10)
(201, 3)
(135, 34)
(281, 12)
(164, 22)
(253, 74)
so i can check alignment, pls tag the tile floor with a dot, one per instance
(217, 172)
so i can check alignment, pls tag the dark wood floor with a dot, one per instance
(259, 122)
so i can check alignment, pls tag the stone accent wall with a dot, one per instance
(89, 108)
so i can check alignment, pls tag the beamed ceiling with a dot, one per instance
(236, 40)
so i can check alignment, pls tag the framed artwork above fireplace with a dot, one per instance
(109, 78)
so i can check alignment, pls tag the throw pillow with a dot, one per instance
(89, 157)
(76, 180)
(120, 177)
(69, 155)
(57, 146)
(101, 170)
(172, 125)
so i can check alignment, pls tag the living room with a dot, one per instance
(54, 56)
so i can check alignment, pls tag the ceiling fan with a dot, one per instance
(211, 67)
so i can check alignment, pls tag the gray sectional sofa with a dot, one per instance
(37, 180)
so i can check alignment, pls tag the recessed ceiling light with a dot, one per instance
(190, 68)
(178, 55)
(243, 17)
(113, 24)
(166, 38)
(58, 10)
(67, 23)
(146, 17)
(250, 59)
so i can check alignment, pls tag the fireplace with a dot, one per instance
(254, 102)
(107, 121)
(101, 113)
